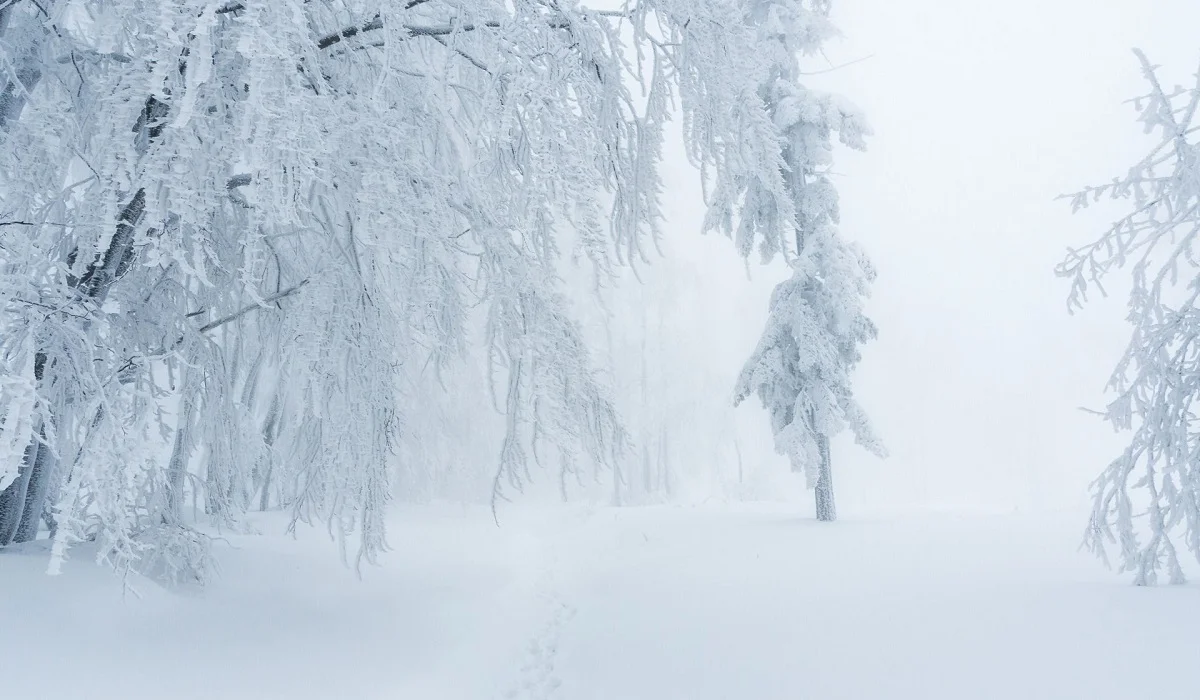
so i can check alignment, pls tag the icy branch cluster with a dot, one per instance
(1148, 499)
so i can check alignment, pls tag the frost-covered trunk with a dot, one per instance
(12, 499)
(269, 433)
(664, 459)
(737, 452)
(12, 97)
(826, 511)
(24, 501)
(181, 448)
(617, 479)
(22, 504)
(17, 83)
(40, 477)
(23, 77)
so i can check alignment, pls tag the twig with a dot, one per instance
(247, 309)
(30, 223)
(51, 309)
(832, 68)
(471, 59)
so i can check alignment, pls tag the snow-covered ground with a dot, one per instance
(742, 602)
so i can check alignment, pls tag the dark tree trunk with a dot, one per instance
(12, 499)
(32, 484)
(12, 96)
(40, 476)
(28, 72)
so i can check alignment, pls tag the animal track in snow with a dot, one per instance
(537, 678)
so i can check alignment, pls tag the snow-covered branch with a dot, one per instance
(1148, 498)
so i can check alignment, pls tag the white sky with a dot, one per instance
(983, 113)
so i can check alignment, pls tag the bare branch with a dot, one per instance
(251, 307)
(31, 223)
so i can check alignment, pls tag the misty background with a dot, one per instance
(983, 114)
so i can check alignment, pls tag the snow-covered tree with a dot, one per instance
(1147, 500)
(802, 365)
(239, 237)
(229, 227)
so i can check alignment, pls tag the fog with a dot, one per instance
(983, 113)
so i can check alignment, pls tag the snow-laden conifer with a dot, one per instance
(801, 369)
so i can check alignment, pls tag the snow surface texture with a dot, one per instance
(616, 604)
